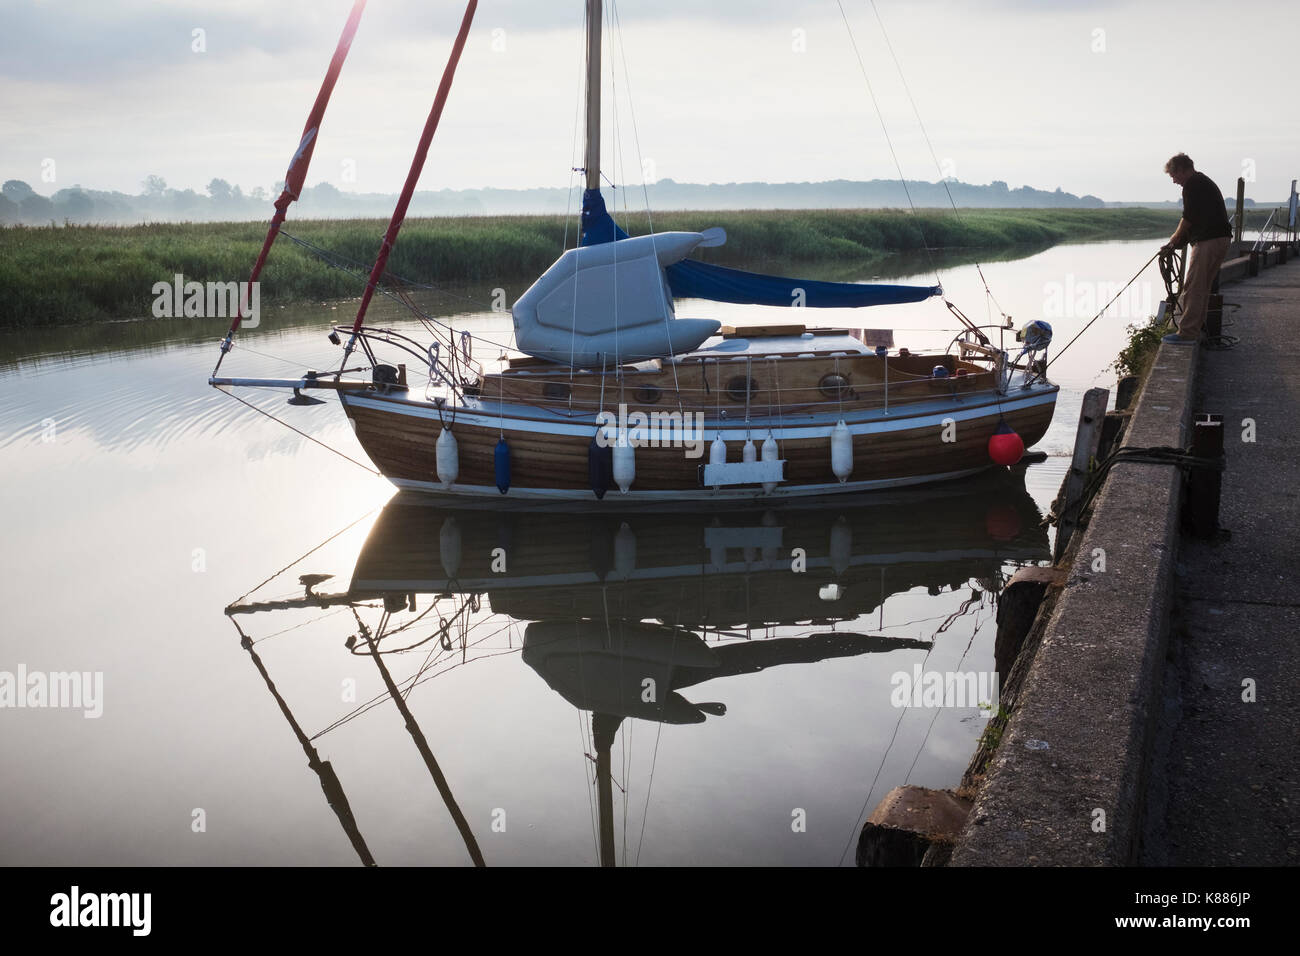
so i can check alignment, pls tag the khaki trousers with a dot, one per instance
(1202, 266)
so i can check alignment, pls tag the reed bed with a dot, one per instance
(56, 275)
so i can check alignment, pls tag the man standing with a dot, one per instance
(1205, 228)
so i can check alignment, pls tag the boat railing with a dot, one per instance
(446, 363)
(733, 387)
(732, 399)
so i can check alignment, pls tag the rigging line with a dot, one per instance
(294, 627)
(382, 698)
(308, 554)
(622, 660)
(443, 628)
(429, 660)
(573, 155)
(627, 781)
(446, 667)
(884, 129)
(654, 757)
(430, 762)
(874, 780)
(924, 740)
(617, 158)
(631, 107)
(589, 784)
(397, 296)
(300, 432)
(274, 358)
(342, 262)
(965, 605)
(926, 136)
(780, 409)
(1105, 307)
(645, 189)
(616, 150)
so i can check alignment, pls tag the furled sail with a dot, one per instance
(606, 304)
(692, 279)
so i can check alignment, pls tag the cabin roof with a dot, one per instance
(734, 343)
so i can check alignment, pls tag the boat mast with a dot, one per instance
(604, 729)
(592, 161)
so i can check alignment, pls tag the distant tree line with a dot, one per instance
(20, 204)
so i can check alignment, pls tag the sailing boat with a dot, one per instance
(614, 390)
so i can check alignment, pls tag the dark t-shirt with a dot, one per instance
(1203, 209)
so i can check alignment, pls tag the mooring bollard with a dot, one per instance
(1204, 482)
(1214, 316)
(1125, 389)
(1252, 269)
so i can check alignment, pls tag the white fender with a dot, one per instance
(448, 457)
(770, 453)
(718, 453)
(841, 451)
(624, 462)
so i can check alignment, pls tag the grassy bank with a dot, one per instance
(71, 274)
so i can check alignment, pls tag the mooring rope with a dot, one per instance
(1105, 307)
(1157, 455)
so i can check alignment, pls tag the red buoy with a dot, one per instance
(1005, 446)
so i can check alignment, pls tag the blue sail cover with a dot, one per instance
(691, 279)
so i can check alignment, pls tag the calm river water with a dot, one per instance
(141, 504)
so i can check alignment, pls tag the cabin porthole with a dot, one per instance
(555, 391)
(738, 386)
(648, 394)
(834, 385)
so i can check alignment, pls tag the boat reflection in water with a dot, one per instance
(624, 614)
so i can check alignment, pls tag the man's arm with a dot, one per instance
(1179, 238)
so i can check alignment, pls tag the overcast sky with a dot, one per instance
(1091, 97)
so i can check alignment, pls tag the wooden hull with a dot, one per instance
(936, 440)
